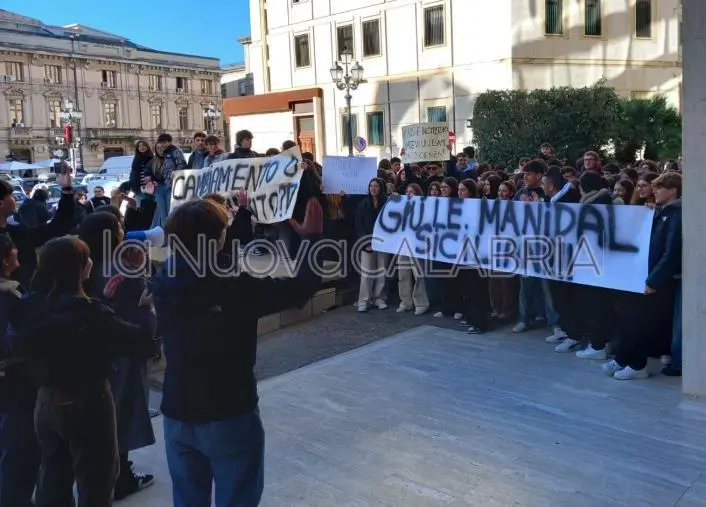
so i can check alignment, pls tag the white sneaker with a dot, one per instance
(421, 311)
(380, 304)
(559, 332)
(666, 360)
(458, 316)
(438, 315)
(628, 373)
(566, 345)
(557, 336)
(403, 308)
(362, 307)
(591, 353)
(611, 367)
(520, 327)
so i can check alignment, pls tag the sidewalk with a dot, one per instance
(435, 416)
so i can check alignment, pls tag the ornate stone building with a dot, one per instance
(125, 91)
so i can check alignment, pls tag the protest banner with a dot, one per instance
(351, 174)
(272, 183)
(425, 142)
(600, 245)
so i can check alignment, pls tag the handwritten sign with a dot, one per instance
(599, 245)
(272, 183)
(425, 142)
(351, 174)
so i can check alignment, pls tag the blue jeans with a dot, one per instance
(162, 197)
(19, 457)
(230, 453)
(532, 292)
(676, 330)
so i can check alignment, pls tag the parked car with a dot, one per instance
(19, 197)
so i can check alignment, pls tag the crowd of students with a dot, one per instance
(582, 318)
(77, 337)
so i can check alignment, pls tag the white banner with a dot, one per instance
(272, 183)
(352, 174)
(425, 142)
(590, 244)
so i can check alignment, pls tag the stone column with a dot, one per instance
(694, 164)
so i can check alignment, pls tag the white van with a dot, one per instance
(117, 167)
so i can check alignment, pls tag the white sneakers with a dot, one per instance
(420, 311)
(458, 316)
(566, 345)
(417, 311)
(616, 371)
(591, 353)
(557, 336)
(402, 308)
(520, 327)
(379, 304)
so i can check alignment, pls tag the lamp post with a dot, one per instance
(211, 114)
(70, 114)
(347, 75)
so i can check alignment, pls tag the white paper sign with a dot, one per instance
(425, 142)
(351, 174)
(590, 244)
(272, 183)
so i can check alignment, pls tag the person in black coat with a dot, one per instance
(647, 328)
(70, 351)
(33, 212)
(28, 240)
(141, 170)
(243, 139)
(19, 453)
(223, 441)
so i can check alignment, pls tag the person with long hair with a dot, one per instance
(129, 380)
(451, 292)
(141, 166)
(70, 351)
(372, 263)
(412, 288)
(504, 287)
(208, 323)
(19, 454)
(624, 189)
(644, 196)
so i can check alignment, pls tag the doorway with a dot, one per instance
(305, 133)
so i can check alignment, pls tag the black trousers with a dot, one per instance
(645, 327)
(566, 304)
(476, 297)
(585, 312)
(77, 441)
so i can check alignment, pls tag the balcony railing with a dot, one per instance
(112, 133)
(20, 132)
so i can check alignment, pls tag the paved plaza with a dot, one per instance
(434, 416)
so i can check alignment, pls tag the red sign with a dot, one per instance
(68, 134)
(452, 137)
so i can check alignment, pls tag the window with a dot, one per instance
(553, 17)
(302, 55)
(52, 74)
(594, 21)
(155, 83)
(376, 128)
(54, 113)
(371, 38)
(345, 39)
(183, 118)
(206, 87)
(181, 84)
(110, 113)
(109, 79)
(17, 112)
(344, 128)
(643, 19)
(434, 26)
(14, 69)
(436, 114)
(209, 124)
(156, 113)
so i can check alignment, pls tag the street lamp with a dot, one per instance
(347, 76)
(70, 114)
(211, 114)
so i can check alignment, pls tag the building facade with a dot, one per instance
(124, 91)
(427, 60)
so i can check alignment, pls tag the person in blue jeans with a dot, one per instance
(208, 321)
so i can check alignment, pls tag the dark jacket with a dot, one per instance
(140, 219)
(33, 213)
(74, 343)
(241, 229)
(664, 265)
(602, 196)
(239, 152)
(28, 240)
(141, 167)
(528, 191)
(16, 385)
(209, 329)
(97, 202)
(366, 215)
(567, 194)
(197, 159)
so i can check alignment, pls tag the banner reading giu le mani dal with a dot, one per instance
(272, 184)
(590, 244)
